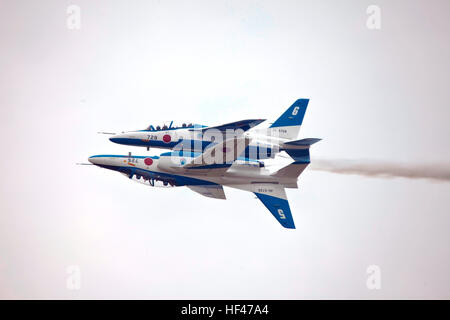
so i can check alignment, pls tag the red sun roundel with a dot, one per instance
(167, 138)
(148, 161)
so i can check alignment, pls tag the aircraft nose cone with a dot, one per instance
(118, 138)
(92, 160)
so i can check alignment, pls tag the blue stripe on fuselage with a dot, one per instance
(251, 152)
(144, 143)
(187, 144)
(191, 154)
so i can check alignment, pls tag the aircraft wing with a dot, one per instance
(274, 198)
(242, 124)
(220, 156)
(211, 191)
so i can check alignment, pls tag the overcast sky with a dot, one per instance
(375, 94)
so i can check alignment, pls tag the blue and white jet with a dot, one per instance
(265, 143)
(219, 165)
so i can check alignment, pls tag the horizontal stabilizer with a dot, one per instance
(211, 191)
(299, 155)
(303, 142)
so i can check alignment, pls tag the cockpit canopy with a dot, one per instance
(170, 125)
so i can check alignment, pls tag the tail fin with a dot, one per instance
(273, 196)
(279, 207)
(288, 125)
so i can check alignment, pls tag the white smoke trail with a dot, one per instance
(383, 169)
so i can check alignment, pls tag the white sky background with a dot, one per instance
(374, 94)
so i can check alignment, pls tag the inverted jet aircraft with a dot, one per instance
(219, 165)
(265, 143)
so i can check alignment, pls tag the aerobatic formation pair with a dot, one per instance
(205, 159)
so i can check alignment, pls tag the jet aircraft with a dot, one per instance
(221, 164)
(265, 143)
